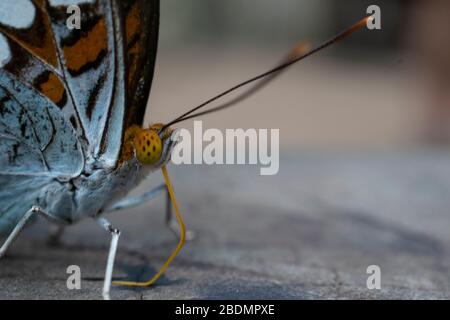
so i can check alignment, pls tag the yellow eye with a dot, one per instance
(148, 146)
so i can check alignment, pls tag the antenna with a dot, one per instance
(190, 114)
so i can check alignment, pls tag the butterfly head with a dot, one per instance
(151, 146)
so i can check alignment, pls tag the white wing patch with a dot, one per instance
(5, 52)
(18, 14)
(57, 3)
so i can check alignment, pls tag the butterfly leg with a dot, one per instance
(54, 240)
(131, 202)
(115, 234)
(18, 228)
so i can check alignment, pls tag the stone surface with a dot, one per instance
(309, 232)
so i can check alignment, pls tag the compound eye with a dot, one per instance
(148, 147)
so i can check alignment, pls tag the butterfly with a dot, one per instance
(72, 104)
(68, 100)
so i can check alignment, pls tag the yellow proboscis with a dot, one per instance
(177, 249)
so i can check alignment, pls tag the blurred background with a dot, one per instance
(377, 89)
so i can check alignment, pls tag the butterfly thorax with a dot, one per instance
(100, 185)
(94, 191)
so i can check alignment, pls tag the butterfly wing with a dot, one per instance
(67, 95)
(141, 18)
(108, 66)
(38, 146)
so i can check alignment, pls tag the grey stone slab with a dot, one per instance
(309, 232)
